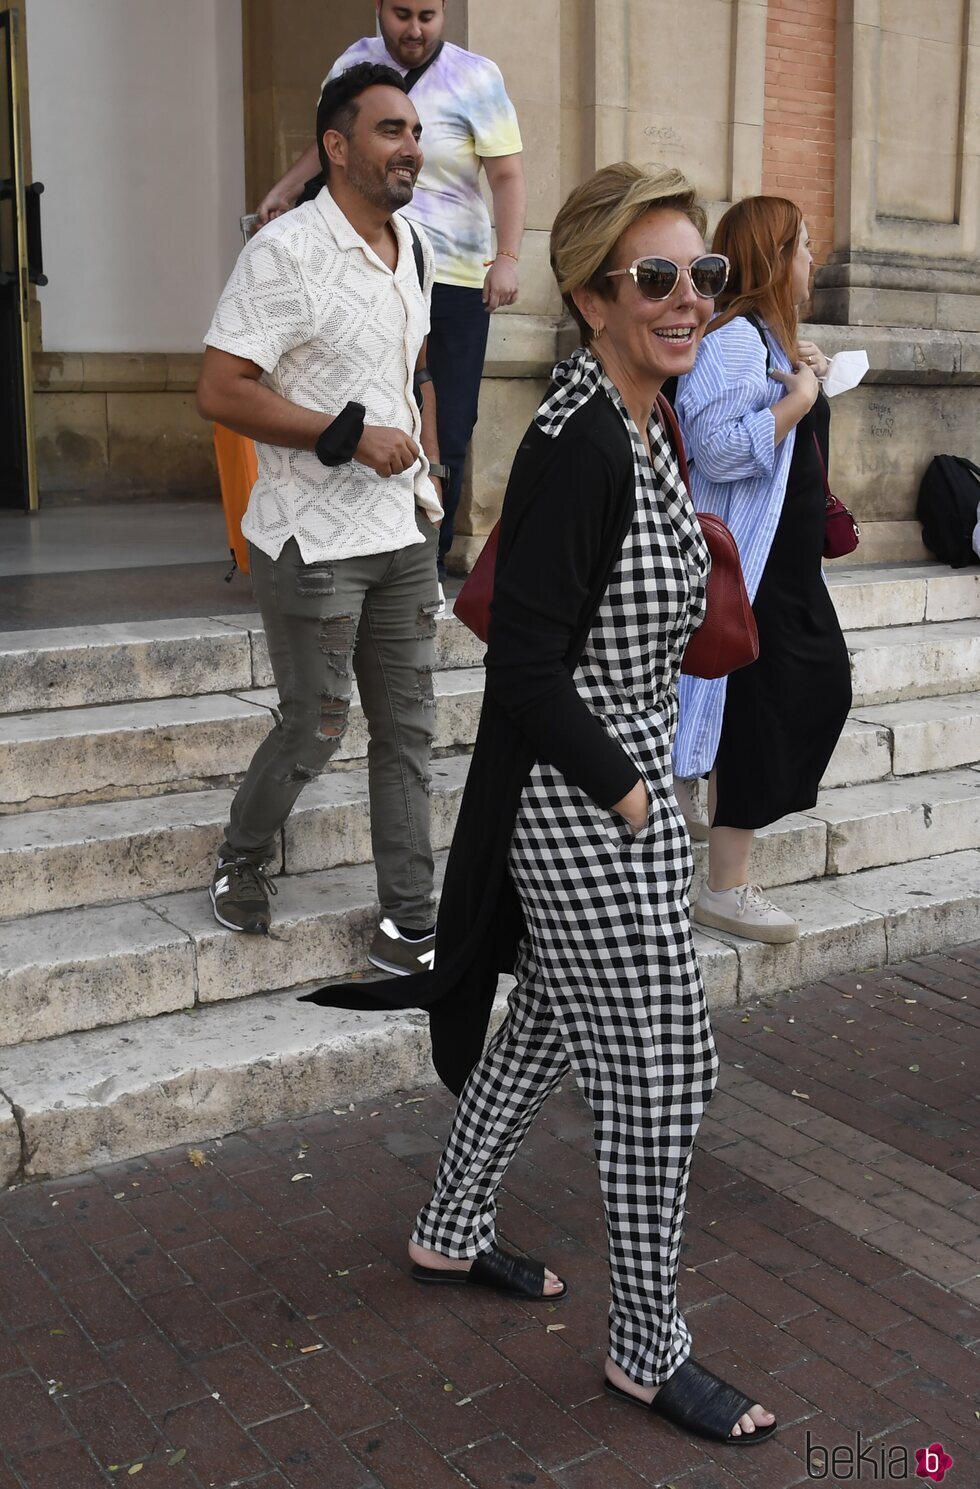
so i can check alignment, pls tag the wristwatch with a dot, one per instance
(441, 471)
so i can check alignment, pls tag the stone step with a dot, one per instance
(73, 969)
(921, 734)
(88, 665)
(186, 1076)
(81, 665)
(890, 542)
(128, 850)
(76, 969)
(72, 667)
(864, 920)
(133, 847)
(863, 753)
(889, 665)
(918, 734)
(867, 826)
(896, 821)
(104, 753)
(871, 596)
(872, 827)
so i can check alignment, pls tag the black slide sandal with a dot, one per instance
(701, 1403)
(514, 1276)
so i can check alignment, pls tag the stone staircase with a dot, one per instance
(132, 1021)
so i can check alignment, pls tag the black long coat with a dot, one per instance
(567, 510)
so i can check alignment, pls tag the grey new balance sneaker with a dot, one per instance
(393, 952)
(240, 893)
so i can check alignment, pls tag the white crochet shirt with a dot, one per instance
(329, 323)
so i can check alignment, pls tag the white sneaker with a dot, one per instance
(687, 798)
(744, 911)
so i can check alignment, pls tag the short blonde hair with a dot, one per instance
(596, 215)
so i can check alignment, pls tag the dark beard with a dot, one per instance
(377, 187)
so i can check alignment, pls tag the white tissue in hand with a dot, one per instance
(845, 372)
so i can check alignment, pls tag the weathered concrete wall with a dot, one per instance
(136, 127)
(121, 426)
(289, 46)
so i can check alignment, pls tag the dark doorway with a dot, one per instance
(20, 267)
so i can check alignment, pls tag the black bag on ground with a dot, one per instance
(949, 494)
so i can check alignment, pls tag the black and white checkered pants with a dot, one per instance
(608, 984)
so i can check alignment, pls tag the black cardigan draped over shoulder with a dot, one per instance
(568, 508)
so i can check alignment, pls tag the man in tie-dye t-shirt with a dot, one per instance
(468, 124)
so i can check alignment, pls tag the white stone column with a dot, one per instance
(907, 241)
(524, 41)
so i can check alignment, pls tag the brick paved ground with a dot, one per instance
(233, 1324)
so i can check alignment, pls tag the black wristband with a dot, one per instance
(340, 439)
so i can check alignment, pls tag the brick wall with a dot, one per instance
(798, 141)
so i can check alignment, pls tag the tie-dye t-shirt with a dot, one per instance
(466, 116)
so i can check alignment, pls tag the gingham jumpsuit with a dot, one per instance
(607, 978)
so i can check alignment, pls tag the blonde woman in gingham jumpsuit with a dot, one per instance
(608, 983)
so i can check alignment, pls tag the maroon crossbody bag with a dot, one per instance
(726, 640)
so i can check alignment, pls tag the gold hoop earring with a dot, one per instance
(597, 332)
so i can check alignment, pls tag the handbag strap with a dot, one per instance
(823, 468)
(414, 73)
(754, 320)
(674, 433)
(417, 255)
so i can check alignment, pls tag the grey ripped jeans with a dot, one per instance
(373, 618)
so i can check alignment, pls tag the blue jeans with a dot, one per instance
(457, 349)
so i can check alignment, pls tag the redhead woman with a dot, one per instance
(756, 428)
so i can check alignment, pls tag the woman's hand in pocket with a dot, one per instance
(635, 807)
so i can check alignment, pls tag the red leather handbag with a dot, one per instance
(472, 605)
(727, 638)
(841, 531)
